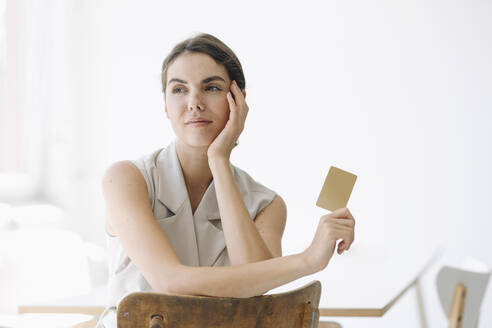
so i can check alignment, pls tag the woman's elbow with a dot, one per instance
(167, 282)
(161, 286)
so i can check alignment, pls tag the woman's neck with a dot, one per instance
(194, 164)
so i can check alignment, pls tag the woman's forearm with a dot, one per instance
(243, 240)
(245, 280)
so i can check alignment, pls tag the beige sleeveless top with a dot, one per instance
(197, 238)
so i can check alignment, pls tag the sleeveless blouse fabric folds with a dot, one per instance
(198, 239)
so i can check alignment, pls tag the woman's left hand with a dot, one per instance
(222, 145)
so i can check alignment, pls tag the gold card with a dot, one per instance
(336, 189)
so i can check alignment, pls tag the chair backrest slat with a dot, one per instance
(297, 308)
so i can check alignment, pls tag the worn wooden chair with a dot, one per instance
(296, 308)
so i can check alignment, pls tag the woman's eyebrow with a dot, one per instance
(208, 79)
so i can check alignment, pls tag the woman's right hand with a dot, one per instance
(338, 224)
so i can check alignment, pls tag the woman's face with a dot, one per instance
(197, 89)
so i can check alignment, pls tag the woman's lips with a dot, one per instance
(200, 123)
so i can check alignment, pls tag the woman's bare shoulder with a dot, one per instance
(121, 180)
(122, 170)
(128, 206)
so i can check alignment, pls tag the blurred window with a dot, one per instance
(19, 131)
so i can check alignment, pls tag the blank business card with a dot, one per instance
(336, 189)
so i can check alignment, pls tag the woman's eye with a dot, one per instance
(181, 90)
(176, 90)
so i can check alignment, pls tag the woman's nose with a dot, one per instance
(197, 107)
(195, 102)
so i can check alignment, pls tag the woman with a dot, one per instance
(183, 220)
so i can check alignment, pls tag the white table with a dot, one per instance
(364, 283)
(361, 282)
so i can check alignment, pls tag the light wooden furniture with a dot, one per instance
(72, 320)
(297, 308)
(456, 315)
(91, 303)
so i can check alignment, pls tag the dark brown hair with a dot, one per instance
(209, 45)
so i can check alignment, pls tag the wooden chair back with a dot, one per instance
(296, 309)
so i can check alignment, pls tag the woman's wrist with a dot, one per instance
(307, 262)
(215, 162)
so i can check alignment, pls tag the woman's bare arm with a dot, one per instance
(243, 240)
(128, 207)
(244, 280)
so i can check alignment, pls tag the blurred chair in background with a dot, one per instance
(461, 291)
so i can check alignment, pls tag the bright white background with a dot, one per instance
(397, 92)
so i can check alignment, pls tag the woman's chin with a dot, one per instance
(198, 142)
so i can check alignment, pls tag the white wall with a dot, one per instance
(397, 92)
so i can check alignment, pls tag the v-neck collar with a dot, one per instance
(197, 238)
(172, 190)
